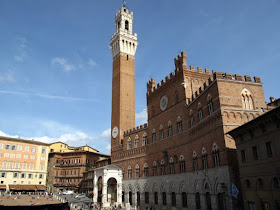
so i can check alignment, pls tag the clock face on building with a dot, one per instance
(115, 132)
(163, 102)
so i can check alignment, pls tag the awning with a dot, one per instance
(14, 187)
(2, 187)
(40, 187)
(27, 187)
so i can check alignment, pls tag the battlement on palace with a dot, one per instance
(225, 76)
(135, 130)
(181, 65)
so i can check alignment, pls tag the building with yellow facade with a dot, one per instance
(23, 164)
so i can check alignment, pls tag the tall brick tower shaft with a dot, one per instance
(123, 47)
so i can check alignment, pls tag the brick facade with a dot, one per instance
(183, 158)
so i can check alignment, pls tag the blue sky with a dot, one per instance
(56, 66)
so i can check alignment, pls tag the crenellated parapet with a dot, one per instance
(225, 76)
(181, 66)
(135, 130)
(151, 85)
(181, 61)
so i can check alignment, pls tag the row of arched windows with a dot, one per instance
(173, 165)
(260, 184)
(169, 131)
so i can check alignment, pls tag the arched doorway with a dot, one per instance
(112, 190)
(208, 201)
(197, 200)
(221, 201)
(99, 185)
(130, 197)
(138, 198)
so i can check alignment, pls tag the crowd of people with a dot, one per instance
(14, 196)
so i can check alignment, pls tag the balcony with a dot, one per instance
(68, 176)
(72, 165)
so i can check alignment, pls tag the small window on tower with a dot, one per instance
(126, 57)
(119, 25)
(126, 25)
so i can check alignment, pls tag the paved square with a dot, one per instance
(26, 200)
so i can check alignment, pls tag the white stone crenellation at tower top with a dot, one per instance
(123, 40)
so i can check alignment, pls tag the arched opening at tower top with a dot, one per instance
(126, 25)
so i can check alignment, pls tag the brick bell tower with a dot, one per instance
(123, 47)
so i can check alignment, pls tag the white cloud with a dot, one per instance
(141, 117)
(73, 139)
(63, 62)
(20, 57)
(91, 62)
(108, 148)
(69, 98)
(106, 133)
(70, 136)
(22, 47)
(7, 77)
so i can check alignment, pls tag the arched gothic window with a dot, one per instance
(247, 183)
(136, 141)
(260, 183)
(179, 125)
(200, 112)
(247, 100)
(145, 139)
(216, 155)
(210, 104)
(137, 171)
(191, 119)
(182, 163)
(161, 132)
(154, 136)
(171, 166)
(195, 162)
(170, 132)
(176, 97)
(204, 158)
(129, 172)
(146, 170)
(155, 168)
(129, 144)
(162, 165)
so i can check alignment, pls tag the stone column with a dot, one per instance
(126, 197)
(214, 202)
(104, 194)
(119, 193)
(142, 198)
(168, 199)
(203, 201)
(159, 199)
(95, 189)
(179, 200)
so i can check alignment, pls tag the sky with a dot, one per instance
(56, 65)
